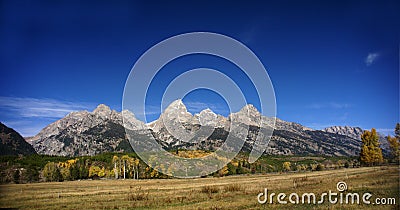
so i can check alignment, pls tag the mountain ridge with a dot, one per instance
(90, 133)
(12, 143)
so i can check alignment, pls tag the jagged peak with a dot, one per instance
(247, 109)
(177, 105)
(102, 108)
(74, 113)
(344, 127)
(128, 113)
(208, 110)
(177, 102)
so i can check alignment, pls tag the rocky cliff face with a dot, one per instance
(12, 143)
(85, 133)
(89, 133)
(353, 132)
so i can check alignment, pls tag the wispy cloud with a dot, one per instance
(330, 105)
(371, 58)
(43, 108)
(29, 115)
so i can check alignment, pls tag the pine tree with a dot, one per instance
(16, 176)
(371, 153)
(57, 176)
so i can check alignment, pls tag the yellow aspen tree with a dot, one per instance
(371, 153)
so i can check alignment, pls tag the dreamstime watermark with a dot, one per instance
(143, 75)
(340, 196)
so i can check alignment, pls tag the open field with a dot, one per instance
(232, 192)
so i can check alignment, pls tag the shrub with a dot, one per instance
(319, 167)
(233, 188)
(209, 189)
(137, 194)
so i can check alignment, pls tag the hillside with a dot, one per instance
(12, 143)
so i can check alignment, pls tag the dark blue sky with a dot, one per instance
(331, 63)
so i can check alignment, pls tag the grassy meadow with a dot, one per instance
(231, 192)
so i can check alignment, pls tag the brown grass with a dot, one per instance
(232, 192)
(209, 189)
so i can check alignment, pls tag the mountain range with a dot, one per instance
(89, 133)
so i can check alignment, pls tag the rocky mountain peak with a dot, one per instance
(177, 110)
(207, 117)
(207, 111)
(249, 108)
(103, 111)
(177, 104)
(247, 115)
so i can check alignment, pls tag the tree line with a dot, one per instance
(38, 168)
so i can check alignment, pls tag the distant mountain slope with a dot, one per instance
(12, 143)
(90, 133)
(355, 133)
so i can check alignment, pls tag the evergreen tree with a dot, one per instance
(371, 153)
(74, 171)
(16, 176)
(57, 176)
(32, 174)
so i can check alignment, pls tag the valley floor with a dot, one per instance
(232, 192)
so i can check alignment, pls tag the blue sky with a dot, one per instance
(331, 63)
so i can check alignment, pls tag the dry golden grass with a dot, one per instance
(233, 192)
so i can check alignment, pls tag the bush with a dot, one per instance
(319, 167)
(233, 188)
(209, 189)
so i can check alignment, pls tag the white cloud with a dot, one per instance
(29, 115)
(331, 105)
(42, 108)
(371, 58)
